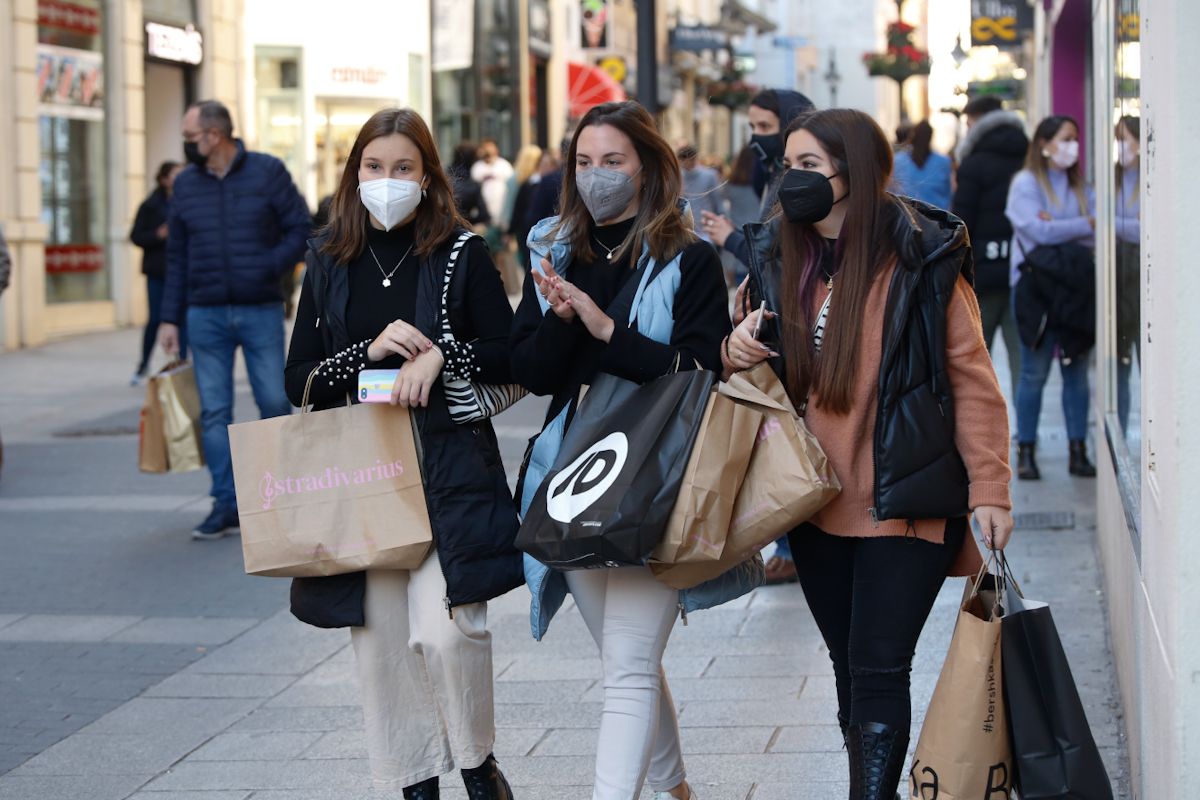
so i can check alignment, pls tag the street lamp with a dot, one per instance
(833, 78)
(959, 55)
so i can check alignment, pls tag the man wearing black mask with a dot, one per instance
(770, 112)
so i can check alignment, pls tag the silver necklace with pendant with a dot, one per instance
(608, 252)
(387, 276)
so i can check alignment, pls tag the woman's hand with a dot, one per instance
(996, 524)
(739, 301)
(716, 227)
(598, 324)
(1045, 216)
(553, 294)
(742, 350)
(416, 378)
(400, 338)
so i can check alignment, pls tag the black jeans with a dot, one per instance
(870, 598)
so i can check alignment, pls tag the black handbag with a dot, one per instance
(607, 498)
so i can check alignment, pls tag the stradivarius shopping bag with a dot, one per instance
(330, 492)
(963, 751)
(606, 500)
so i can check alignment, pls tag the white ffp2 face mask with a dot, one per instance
(390, 200)
(1065, 155)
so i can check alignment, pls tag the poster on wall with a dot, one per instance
(70, 82)
(453, 35)
(595, 18)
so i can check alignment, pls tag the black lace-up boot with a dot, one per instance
(1079, 464)
(877, 754)
(425, 790)
(486, 782)
(1027, 468)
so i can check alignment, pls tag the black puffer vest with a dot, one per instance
(919, 473)
(471, 510)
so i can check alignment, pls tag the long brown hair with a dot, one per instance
(862, 157)
(659, 224)
(1134, 126)
(437, 217)
(1038, 164)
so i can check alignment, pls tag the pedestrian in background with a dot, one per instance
(991, 153)
(547, 193)
(1050, 203)
(622, 212)
(519, 222)
(236, 223)
(872, 562)
(921, 173)
(700, 186)
(741, 206)
(468, 195)
(1129, 258)
(150, 233)
(420, 636)
(492, 172)
(770, 112)
(516, 205)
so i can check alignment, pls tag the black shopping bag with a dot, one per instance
(607, 499)
(1054, 753)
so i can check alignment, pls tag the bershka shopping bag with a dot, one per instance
(330, 492)
(607, 498)
(963, 751)
(699, 522)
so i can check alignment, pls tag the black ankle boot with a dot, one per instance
(877, 753)
(1027, 468)
(486, 782)
(1079, 460)
(425, 790)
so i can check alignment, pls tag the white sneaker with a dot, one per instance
(669, 796)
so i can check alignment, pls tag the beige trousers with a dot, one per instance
(426, 678)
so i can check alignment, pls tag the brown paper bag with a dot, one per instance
(699, 522)
(179, 401)
(152, 442)
(788, 480)
(963, 752)
(330, 492)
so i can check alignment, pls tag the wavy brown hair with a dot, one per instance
(1039, 164)
(437, 216)
(659, 224)
(862, 157)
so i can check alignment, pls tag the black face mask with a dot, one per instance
(806, 196)
(768, 147)
(191, 151)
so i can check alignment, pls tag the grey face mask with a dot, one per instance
(605, 192)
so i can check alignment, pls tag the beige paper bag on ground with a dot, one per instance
(699, 522)
(152, 441)
(963, 752)
(787, 481)
(330, 492)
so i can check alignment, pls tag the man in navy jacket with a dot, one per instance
(236, 224)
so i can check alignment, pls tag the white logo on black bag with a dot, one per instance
(585, 480)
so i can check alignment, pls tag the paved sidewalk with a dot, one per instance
(269, 708)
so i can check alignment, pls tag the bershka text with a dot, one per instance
(272, 487)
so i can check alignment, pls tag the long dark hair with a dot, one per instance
(862, 157)
(742, 173)
(437, 217)
(920, 142)
(1038, 164)
(659, 224)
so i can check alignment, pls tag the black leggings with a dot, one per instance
(870, 598)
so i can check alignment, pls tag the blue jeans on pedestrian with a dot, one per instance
(1035, 369)
(154, 296)
(216, 332)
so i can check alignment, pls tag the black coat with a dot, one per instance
(471, 509)
(468, 197)
(919, 473)
(1056, 292)
(152, 215)
(988, 158)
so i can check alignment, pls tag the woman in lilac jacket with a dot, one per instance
(1050, 203)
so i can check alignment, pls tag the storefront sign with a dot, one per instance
(695, 38)
(615, 67)
(453, 34)
(1002, 23)
(70, 82)
(169, 43)
(596, 21)
(69, 17)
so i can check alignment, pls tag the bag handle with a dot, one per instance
(459, 245)
(304, 404)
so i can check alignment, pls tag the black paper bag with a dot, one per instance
(607, 499)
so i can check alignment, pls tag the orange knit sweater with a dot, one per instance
(981, 422)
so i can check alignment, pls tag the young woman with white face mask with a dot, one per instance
(371, 300)
(621, 220)
(1050, 203)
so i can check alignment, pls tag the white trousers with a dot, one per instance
(630, 615)
(426, 678)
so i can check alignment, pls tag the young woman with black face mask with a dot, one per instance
(881, 346)
(620, 285)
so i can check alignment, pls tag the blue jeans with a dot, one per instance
(1035, 369)
(216, 332)
(154, 296)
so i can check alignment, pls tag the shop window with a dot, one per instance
(338, 123)
(280, 106)
(71, 92)
(174, 12)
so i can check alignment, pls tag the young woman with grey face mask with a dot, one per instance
(621, 219)
(875, 331)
